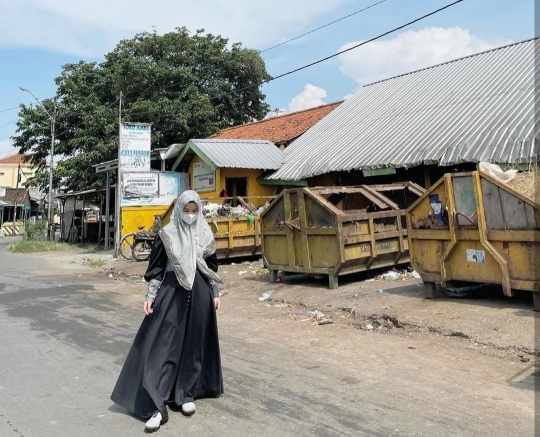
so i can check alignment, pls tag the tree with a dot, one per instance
(186, 85)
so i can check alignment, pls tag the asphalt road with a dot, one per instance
(64, 336)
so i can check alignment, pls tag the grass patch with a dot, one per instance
(35, 246)
(95, 263)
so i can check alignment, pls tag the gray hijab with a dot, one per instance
(188, 246)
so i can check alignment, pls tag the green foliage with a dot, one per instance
(36, 231)
(186, 85)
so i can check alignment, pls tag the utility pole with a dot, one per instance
(16, 194)
(52, 119)
(118, 218)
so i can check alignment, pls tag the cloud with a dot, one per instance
(409, 51)
(91, 28)
(311, 96)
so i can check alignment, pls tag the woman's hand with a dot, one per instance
(217, 304)
(148, 307)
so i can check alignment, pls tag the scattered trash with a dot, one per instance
(316, 314)
(369, 280)
(266, 296)
(314, 340)
(411, 347)
(278, 279)
(369, 327)
(243, 272)
(381, 291)
(325, 322)
(391, 276)
(110, 275)
(414, 274)
(223, 293)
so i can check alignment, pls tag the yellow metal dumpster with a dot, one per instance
(337, 230)
(235, 237)
(471, 227)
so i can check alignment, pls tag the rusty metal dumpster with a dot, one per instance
(470, 227)
(336, 231)
(235, 236)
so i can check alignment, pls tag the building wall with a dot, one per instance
(8, 175)
(135, 216)
(254, 189)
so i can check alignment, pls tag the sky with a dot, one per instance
(39, 36)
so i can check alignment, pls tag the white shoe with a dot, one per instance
(154, 422)
(188, 409)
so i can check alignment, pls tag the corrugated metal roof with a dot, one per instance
(253, 154)
(478, 108)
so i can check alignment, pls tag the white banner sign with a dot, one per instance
(140, 185)
(135, 147)
(2, 192)
(204, 178)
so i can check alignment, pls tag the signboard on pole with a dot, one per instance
(135, 147)
(204, 178)
(152, 188)
(140, 184)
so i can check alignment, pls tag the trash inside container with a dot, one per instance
(236, 236)
(471, 227)
(336, 231)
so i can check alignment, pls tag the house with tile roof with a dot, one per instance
(9, 167)
(281, 129)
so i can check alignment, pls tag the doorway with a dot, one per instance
(236, 187)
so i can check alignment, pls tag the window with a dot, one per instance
(236, 187)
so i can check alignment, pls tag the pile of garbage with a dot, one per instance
(396, 275)
(219, 210)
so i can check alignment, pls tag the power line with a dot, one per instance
(364, 42)
(296, 69)
(9, 109)
(323, 26)
(9, 122)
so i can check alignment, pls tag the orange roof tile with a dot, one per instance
(279, 129)
(16, 158)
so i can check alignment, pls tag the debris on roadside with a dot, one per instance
(314, 340)
(266, 296)
(396, 275)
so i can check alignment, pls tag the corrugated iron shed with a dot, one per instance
(252, 154)
(477, 108)
(17, 196)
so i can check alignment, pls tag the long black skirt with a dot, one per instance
(175, 355)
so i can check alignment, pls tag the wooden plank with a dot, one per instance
(368, 215)
(514, 212)
(302, 215)
(492, 205)
(290, 236)
(429, 234)
(516, 236)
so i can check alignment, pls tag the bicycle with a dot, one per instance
(138, 245)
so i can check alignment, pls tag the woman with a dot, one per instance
(175, 355)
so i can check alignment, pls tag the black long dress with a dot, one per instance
(175, 355)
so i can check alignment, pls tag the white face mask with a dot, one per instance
(189, 218)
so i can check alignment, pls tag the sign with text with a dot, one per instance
(135, 147)
(204, 178)
(152, 188)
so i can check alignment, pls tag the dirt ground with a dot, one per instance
(374, 349)
(485, 321)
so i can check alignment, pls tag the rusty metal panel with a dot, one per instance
(502, 247)
(304, 232)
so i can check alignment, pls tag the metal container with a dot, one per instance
(336, 231)
(471, 227)
(235, 237)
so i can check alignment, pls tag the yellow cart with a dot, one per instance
(471, 227)
(336, 231)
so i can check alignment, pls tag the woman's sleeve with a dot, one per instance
(212, 262)
(157, 263)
